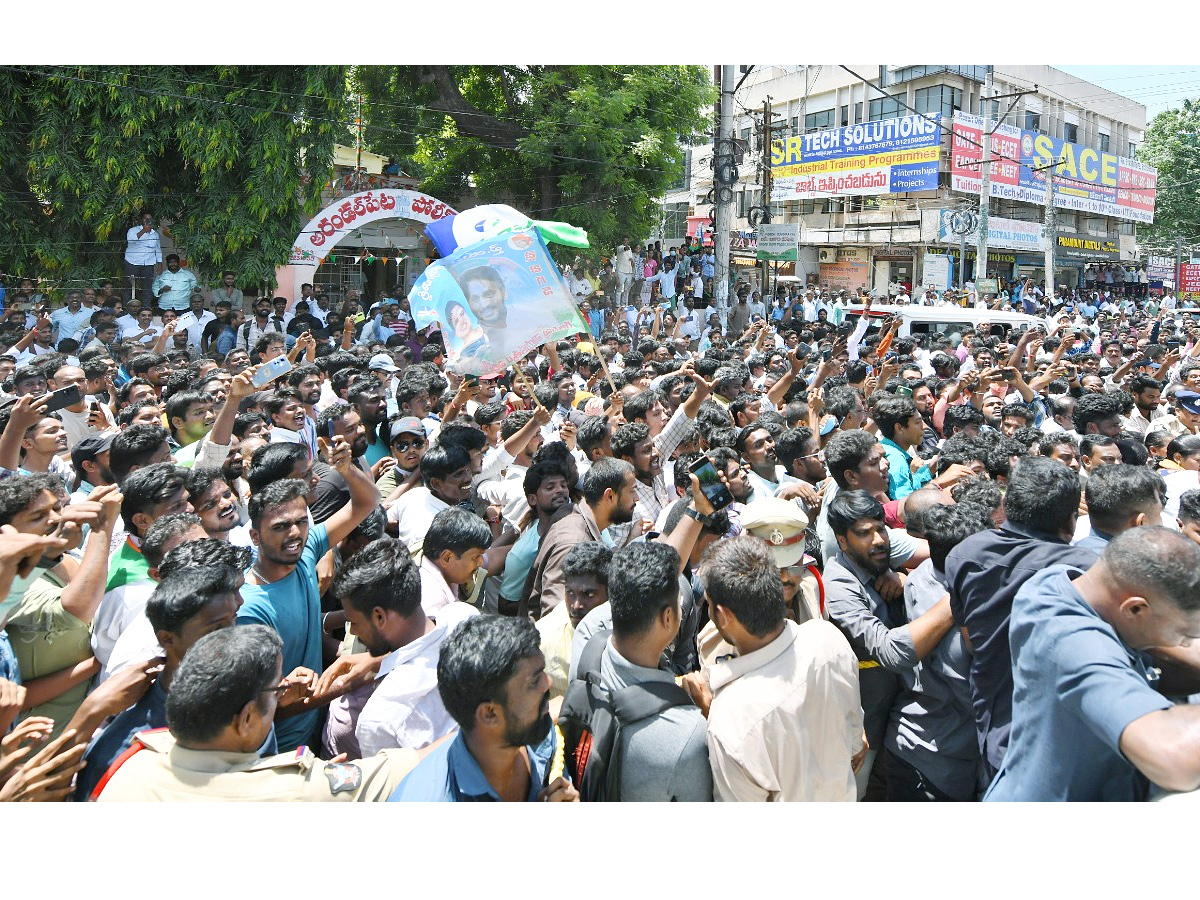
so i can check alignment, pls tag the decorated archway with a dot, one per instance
(317, 240)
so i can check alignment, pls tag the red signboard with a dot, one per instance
(1189, 278)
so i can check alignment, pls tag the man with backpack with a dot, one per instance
(631, 733)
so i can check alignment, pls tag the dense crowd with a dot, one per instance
(735, 551)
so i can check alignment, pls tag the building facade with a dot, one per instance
(858, 231)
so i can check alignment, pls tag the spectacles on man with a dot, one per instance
(820, 454)
(402, 446)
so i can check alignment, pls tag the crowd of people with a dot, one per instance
(695, 552)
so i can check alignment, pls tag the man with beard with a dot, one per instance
(888, 646)
(90, 459)
(546, 486)
(214, 502)
(281, 588)
(633, 444)
(380, 590)
(369, 400)
(307, 382)
(492, 679)
(609, 496)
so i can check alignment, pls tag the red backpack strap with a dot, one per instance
(812, 567)
(135, 747)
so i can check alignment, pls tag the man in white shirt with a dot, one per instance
(446, 472)
(380, 591)
(143, 256)
(786, 720)
(757, 307)
(623, 258)
(195, 319)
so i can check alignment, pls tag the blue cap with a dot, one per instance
(1189, 400)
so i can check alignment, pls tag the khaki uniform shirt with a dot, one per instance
(165, 771)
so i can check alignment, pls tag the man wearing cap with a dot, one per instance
(383, 368)
(1186, 419)
(785, 721)
(90, 459)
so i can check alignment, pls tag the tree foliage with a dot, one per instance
(231, 158)
(591, 145)
(1172, 146)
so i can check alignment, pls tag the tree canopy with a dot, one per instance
(230, 157)
(1172, 146)
(591, 145)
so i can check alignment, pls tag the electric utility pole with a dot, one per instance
(723, 166)
(985, 166)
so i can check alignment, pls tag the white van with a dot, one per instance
(947, 319)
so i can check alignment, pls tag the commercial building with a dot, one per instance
(876, 202)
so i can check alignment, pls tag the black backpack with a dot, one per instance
(592, 718)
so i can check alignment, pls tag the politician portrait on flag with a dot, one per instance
(495, 301)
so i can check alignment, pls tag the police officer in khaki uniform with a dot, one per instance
(219, 711)
(781, 524)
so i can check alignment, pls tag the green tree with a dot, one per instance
(231, 158)
(1172, 146)
(591, 145)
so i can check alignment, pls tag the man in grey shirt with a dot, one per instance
(664, 757)
(887, 644)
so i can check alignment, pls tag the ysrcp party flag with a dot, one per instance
(482, 223)
(495, 301)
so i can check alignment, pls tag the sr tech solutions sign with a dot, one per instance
(886, 157)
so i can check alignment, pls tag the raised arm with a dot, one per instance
(364, 496)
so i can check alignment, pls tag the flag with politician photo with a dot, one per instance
(496, 300)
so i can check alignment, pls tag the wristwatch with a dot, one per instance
(694, 514)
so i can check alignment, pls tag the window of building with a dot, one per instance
(857, 113)
(795, 123)
(1095, 225)
(741, 204)
(1103, 143)
(808, 207)
(1132, 149)
(1070, 132)
(745, 135)
(1033, 121)
(818, 120)
(1126, 228)
(942, 98)
(884, 108)
(845, 118)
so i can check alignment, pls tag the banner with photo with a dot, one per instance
(887, 157)
(495, 301)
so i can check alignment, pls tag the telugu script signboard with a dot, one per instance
(886, 157)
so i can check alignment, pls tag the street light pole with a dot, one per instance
(985, 182)
(723, 151)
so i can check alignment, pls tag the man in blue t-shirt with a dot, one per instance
(1090, 720)
(282, 589)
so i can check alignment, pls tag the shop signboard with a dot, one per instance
(937, 271)
(1189, 278)
(1083, 246)
(1012, 234)
(845, 276)
(1087, 180)
(1160, 267)
(778, 241)
(886, 157)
